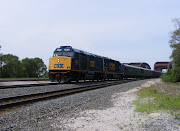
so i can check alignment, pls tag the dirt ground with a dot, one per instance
(121, 116)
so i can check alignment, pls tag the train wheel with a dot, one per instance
(59, 80)
(98, 79)
(69, 81)
(77, 79)
(120, 77)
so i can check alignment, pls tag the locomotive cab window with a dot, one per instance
(57, 53)
(64, 53)
(68, 53)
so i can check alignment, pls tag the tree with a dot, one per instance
(29, 68)
(11, 66)
(33, 67)
(41, 67)
(173, 75)
(175, 43)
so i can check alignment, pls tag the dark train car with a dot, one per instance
(69, 64)
(147, 73)
(132, 71)
(138, 72)
(156, 73)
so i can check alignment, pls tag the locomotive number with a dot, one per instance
(92, 63)
(58, 65)
(112, 66)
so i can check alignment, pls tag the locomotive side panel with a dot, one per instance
(109, 66)
(100, 65)
(113, 69)
(92, 64)
(83, 62)
(75, 62)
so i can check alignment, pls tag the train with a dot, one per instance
(70, 64)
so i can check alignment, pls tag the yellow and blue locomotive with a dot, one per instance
(69, 64)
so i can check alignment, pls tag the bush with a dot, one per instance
(167, 76)
(172, 75)
(176, 75)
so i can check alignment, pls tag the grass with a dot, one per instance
(163, 96)
(121, 127)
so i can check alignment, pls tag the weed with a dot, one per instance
(142, 124)
(177, 116)
(121, 127)
(145, 125)
(161, 99)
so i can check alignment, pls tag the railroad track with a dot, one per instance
(15, 101)
(40, 84)
(26, 85)
(28, 79)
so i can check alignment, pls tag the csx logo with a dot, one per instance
(58, 65)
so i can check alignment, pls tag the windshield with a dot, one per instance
(59, 53)
(70, 54)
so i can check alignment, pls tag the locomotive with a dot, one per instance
(70, 64)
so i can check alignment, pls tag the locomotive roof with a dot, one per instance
(89, 54)
(84, 52)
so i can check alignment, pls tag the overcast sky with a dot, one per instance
(124, 30)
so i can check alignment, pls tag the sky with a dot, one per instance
(124, 30)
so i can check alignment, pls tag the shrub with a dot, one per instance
(167, 76)
(176, 75)
(172, 75)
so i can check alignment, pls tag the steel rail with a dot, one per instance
(8, 102)
(25, 85)
(40, 84)
(24, 79)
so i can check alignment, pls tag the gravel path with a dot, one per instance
(103, 109)
(122, 116)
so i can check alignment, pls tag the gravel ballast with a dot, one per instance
(109, 108)
(39, 89)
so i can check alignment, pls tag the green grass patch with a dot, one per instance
(150, 100)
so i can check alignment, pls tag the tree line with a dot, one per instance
(173, 75)
(12, 67)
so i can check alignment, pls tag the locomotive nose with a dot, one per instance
(60, 63)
